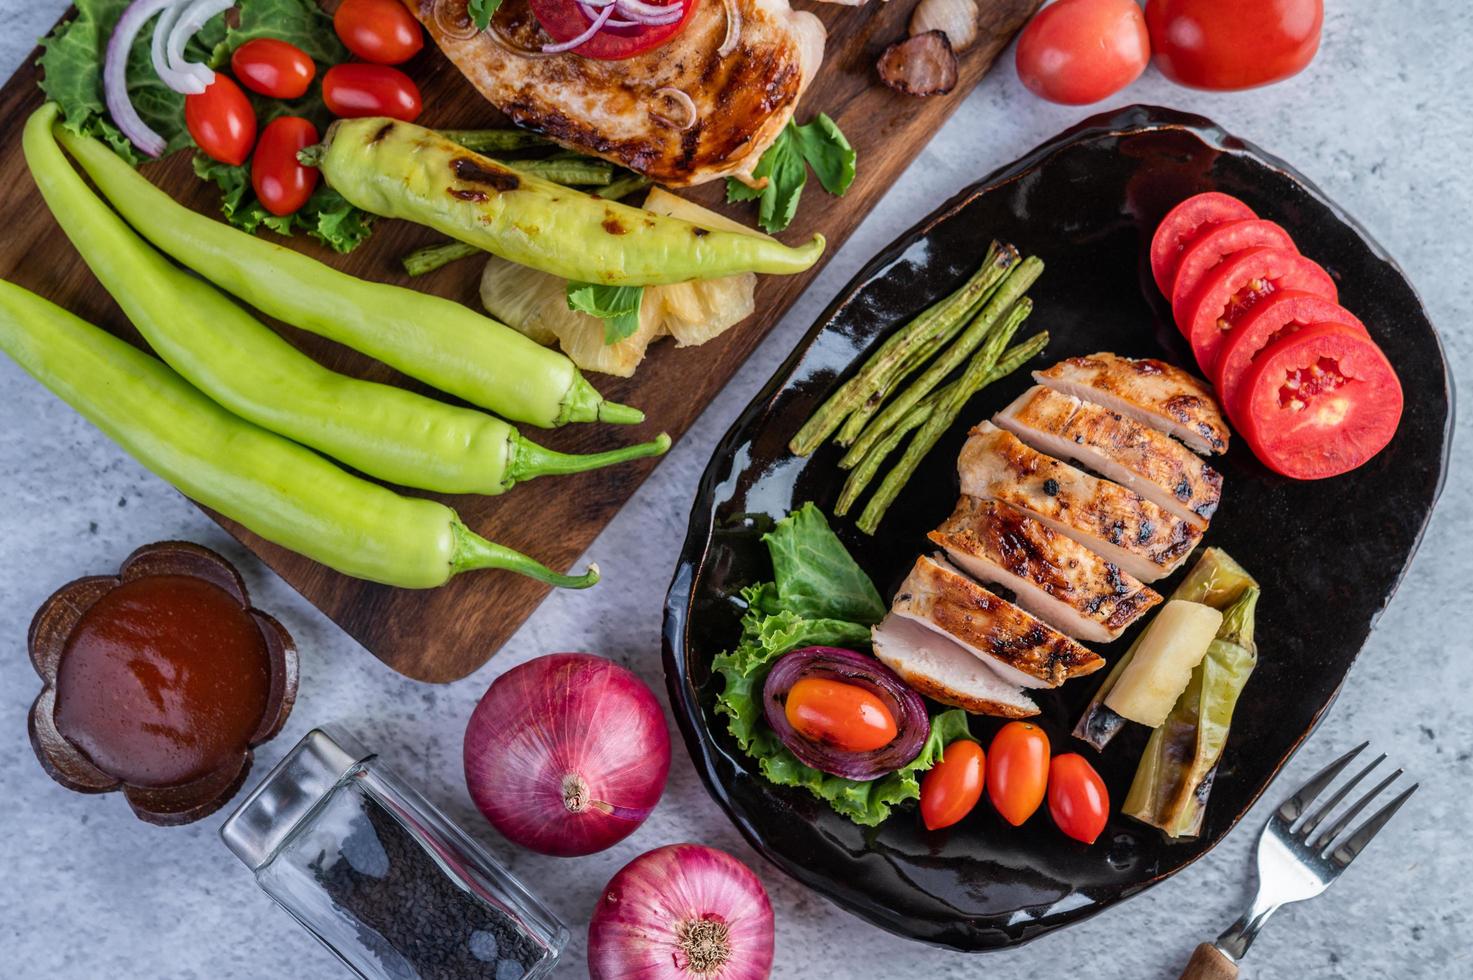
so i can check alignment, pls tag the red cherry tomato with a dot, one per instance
(951, 788)
(1214, 44)
(1212, 245)
(1319, 402)
(381, 31)
(564, 20)
(354, 90)
(1082, 51)
(1280, 315)
(1181, 226)
(1077, 798)
(273, 68)
(1017, 770)
(1235, 286)
(222, 121)
(833, 712)
(282, 184)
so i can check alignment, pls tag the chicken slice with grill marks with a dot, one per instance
(1115, 523)
(1152, 464)
(681, 113)
(1055, 578)
(945, 672)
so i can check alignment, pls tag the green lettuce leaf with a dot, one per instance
(616, 306)
(327, 215)
(816, 577)
(299, 22)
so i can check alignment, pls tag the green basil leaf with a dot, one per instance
(828, 153)
(617, 306)
(481, 12)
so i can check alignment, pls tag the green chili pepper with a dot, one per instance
(383, 431)
(277, 489)
(440, 342)
(404, 171)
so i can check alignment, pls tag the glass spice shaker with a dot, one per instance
(381, 877)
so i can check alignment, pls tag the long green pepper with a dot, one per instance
(275, 488)
(442, 343)
(383, 431)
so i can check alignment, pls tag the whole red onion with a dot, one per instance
(567, 754)
(682, 912)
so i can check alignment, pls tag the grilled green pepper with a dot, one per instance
(275, 488)
(400, 170)
(440, 342)
(378, 429)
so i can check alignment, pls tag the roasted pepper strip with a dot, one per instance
(440, 342)
(378, 429)
(400, 170)
(275, 488)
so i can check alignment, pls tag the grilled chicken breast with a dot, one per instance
(1055, 578)
(1119, 525)
(943, 671)
(680, 114)
(1021, 649)
(1121, 449)
(1149, 391)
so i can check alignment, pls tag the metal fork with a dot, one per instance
(1295, 862)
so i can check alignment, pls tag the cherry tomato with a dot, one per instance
(1077, 798)
(1082, 51)
(1319, 402)
(952, 787)
(1280, 315)
(564, 20)
(1212, 245)
(1214, 44)
(273, 68)
(355, 90)
(381, 31)
(222, 121)
(846, 716)
(1237, 284)
(1183, 224)
(1017, 770)
(282, 184)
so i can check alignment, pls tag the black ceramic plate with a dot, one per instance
(1329, 554)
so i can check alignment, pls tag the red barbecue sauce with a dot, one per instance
(162, 681)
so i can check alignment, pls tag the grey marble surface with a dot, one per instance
(1380, 121)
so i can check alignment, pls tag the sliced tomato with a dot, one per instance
(1235, 286)
(1319, 402)
(1182, 224)
(564, 20)
(1282, 314)
(1214, 244)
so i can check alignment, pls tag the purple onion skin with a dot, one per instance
(682, 912)
(912, 724)
(567, 754)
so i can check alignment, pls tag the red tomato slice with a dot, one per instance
(1214, 244)
(565, 20)
(1282, 314)
(1320, 402)
(1235, 286)
(1183, 223)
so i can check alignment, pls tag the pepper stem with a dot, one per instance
(529, 459)
(473, 551)
(583, 403)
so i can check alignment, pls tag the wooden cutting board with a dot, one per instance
(444, 634)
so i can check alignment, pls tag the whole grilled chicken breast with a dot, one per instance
(681, 114)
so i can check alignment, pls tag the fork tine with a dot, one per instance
(1294, 805)
(1334, 830)
(1313, 820)
(1347, 850)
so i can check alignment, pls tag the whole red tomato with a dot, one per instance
(381, 31)
(282, 184)
(222, 121)
(1213, 44)
(1077, 798)
(1017, 770)
(952, 787)
(356, 89)
(273, 68)
(1082, 51)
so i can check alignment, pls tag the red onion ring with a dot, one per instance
(909, 711)
(586, 36)
(632, 13)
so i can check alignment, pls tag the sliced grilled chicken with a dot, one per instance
(1056, 578)
(705, 105)
(1149, 391)
(1119, 525)
(943, 671)
(1020, 648)
(1152, 464)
